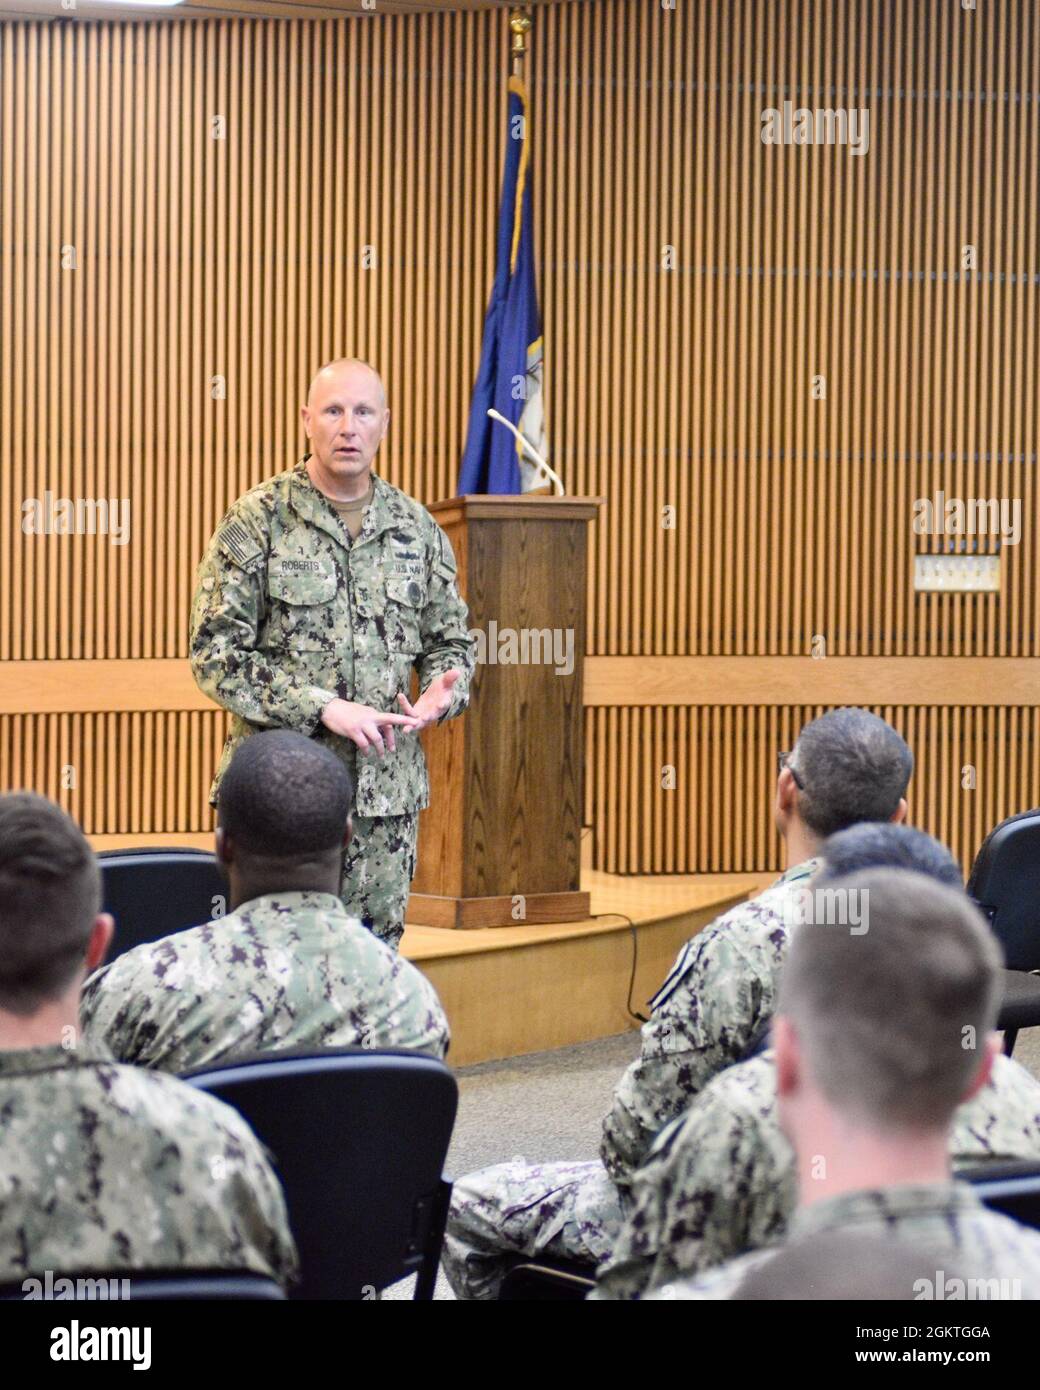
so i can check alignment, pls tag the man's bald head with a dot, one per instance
(345, 418)
(329, 377)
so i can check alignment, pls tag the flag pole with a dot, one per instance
(519, 23)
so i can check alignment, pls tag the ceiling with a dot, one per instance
(233, 9)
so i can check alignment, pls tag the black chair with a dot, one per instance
(153, 893)
(1011, 1187)
(166, 1286)
(359, 1140)
(207, 1286)
(1005, 882)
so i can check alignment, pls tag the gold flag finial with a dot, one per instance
(519, 23)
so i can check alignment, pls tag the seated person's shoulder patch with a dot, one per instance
(676, 975)
(239, 544)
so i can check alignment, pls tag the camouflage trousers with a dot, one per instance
(566, 1211)
(378, 871)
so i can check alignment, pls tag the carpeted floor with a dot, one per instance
(546, 1106)
(550, 1105)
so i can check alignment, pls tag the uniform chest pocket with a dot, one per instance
(405, 601)
(302, 608)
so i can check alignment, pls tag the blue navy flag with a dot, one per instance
(510, 375)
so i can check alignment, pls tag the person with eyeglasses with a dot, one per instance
(883, 1043)
(721, 1179)
(846, 767)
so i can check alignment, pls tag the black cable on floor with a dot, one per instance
(638, 1017)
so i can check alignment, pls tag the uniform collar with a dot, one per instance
(25, 1061)
(383, 512)
(884, 1206)
(797, 872)
(275, 904)
(310, 503)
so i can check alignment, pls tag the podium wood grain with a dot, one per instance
(506, 779)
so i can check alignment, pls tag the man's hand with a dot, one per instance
(370, 729)
(434, 700)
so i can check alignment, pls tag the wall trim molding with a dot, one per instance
(801, 680)
(116, 686)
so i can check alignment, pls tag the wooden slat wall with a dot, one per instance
(238, 258)
(686, 387)
(715, 814)
(129, 773)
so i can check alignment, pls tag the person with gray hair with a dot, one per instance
(288, 966)
(721, 1179)
(879, 1037)
(847, 766)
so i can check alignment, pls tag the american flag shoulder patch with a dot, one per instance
(238, 544)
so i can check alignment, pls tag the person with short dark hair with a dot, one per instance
(872, 845)
(287, 967)
(104, 1169)
(847, 766)
(880, 1037)
(721, 1178)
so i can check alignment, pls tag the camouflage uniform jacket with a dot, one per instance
(285, 971)
(288, 614)
(721, 1179)
(721, 989)
(106, 1168)
(946, 1219)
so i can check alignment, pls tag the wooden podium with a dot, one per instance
(499, 845)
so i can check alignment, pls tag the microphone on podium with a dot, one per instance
(540, 463)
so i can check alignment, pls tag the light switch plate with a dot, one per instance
(957, 574)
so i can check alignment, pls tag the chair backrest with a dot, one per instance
(359, 1139)
(155, 892)
(1011, 1187)
(1005, 882)
(105, 1286)
(252, 1287)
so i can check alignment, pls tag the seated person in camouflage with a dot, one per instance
(879, 1038)
(721, 1179)
(848, 766)
(104, 1169)
(288, 967)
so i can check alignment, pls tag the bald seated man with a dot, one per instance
(320, 593)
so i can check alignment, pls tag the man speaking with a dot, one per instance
(320, 591)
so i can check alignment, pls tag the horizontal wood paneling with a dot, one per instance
(43, 687)
(784, 680)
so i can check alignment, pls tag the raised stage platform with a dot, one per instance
(510, 990)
